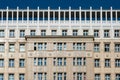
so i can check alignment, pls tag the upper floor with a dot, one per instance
(60, 14)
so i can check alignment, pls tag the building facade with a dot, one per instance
(59, 44)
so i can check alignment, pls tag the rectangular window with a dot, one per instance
(22, 33)
(107, 62)
(42, 46)
(40, 61)
(43, 32)
(54, 32)
(79, 61)
(117, 47)
(1, 62)
(32, 32)
(11, 62)
(21, 76)
(85, 32)
(117, 62)
(97, 62)
(22, 63)
(117, 77)
(2, 48)
(96, 33)
(116, 33)
(12, 33)
(59, 61)
(22, 47)
(106, 33)
(79, 46)
(75, 32)
(2, 33)
(96, 47)
(97, 76)
(106, 47)
(64, 32)
(107, 77)
(59, 46)
(1, 76)
(41, 76)
(11, 77)
(59, 76)
(12, 47)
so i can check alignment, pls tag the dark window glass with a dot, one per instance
(88, 15)
(82, 15)
(20, 15)
(93, 15)
(9, 15)
(41, 15)
(98, 15)
(61, 15)
(72, 15)
(45, 15)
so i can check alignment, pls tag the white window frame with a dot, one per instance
(11, 62)
(2, 33)
(22, 33)
(12, 33)
(22, 47)
(22, 62)
(2, 48)
(12, 47)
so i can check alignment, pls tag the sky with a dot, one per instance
(64, 4)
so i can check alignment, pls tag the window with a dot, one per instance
(21, 62)
(79, 46)
(107, 62)
(11, 62)
(2, 33)
(78, 61)
(41, 61)
(2, 48)
(59, 76)
(42, 46)
(22, 47)
(97, 76)
(117, 62)
(75, 32)
(85, 32)
(64, 32)
(12, 33)
(21, 77)
(117, 77)
(11, 77)
(32, 32)
(1, 76)
(96, 33)
(117, 47)
(59, 61)
(1, 62)
(106, 47)
(97, 62)
(12, 47)
(59, 46)
(22, 33)
(43, 32)
(54, 32)
(116, 33)
(96, 47)
(107, 77)
(41, 76)
(106, 33)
